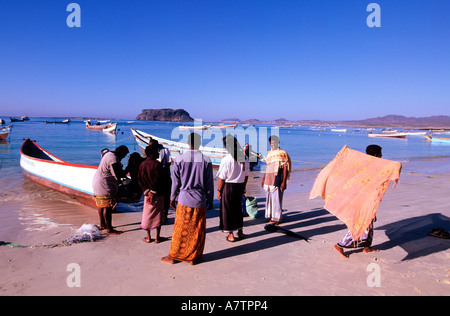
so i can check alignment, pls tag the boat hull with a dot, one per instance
(387, 135)
(48, 170)
(441, 140)
(215, 154)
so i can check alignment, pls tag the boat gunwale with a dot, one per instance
(52, 161)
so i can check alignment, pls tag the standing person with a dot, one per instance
(233, 175)
(164, 159)
(192, 194)
(106, 185)
(151, 181)
(366, 239)
(275, 179)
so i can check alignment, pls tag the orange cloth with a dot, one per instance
(189, 233)
(352, 185)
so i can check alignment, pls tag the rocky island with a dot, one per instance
(178, 115)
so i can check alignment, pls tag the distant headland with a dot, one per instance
(178, 115)
(397, 121)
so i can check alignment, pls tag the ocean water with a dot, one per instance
(26, 206)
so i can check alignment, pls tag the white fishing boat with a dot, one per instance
(74, 180)
(436, 139)
(339, 130)
(194, 127)
(177, 148)
(389, 135)
(108, 128)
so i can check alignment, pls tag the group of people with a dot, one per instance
(190, 191)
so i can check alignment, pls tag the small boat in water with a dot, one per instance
(177, 148)
(436, 139)
(74, 180)
(391, 135)
(108, 128)
(4, 132)
(195, 127)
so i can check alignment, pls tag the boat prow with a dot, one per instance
(44, 168)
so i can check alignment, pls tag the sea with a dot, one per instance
(26, 207)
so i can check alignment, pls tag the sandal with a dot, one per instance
(440, 233)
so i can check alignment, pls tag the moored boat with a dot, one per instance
(4, 132)
(177, 148)
(44, 168)
(109, 128)
(436, 139)
(195, 127)
(389, 135)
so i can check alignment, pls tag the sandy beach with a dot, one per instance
(265, 263)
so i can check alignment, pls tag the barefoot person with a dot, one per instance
(366, 239)
(106, 185)
(151, 180)
(192, 194)
(233, 175)
(275, 179)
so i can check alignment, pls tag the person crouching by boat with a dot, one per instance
(151, 180)
(106, 185)
(275, 179)
(233, 175)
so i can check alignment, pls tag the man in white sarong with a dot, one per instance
(275, 179)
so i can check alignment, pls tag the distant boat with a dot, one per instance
(25, 118)
(224, 126)
(109, 128)
(57, 122)
(13, 119)
(4, 132)
(343, 130)
(74, 180)
(195, 127)
(177, 148)
(389, 135)
(436, 139)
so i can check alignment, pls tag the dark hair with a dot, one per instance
(233, 147)
(151, 152)
(373, 150)
(274, 138)
(194, 140)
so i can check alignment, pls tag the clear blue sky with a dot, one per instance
(217, 59)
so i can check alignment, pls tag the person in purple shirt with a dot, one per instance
(192, 194)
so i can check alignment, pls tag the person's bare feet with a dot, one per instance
(168, 260)
(369, 249)
(147, 240)
(340, 251)
(114, 232)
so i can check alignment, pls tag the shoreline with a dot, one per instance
(264, 263)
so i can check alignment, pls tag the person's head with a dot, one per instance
(121, 151)
(194, 141)
(134, 159)
(274, 141)
(233, 147)
(151, 152)
(374, 150)
(154, 143)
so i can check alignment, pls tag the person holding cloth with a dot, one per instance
(275, 179)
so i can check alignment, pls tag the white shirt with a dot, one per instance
(231, 171)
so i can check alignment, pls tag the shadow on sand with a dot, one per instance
(412, 235)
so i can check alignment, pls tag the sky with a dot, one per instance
(219, 59)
